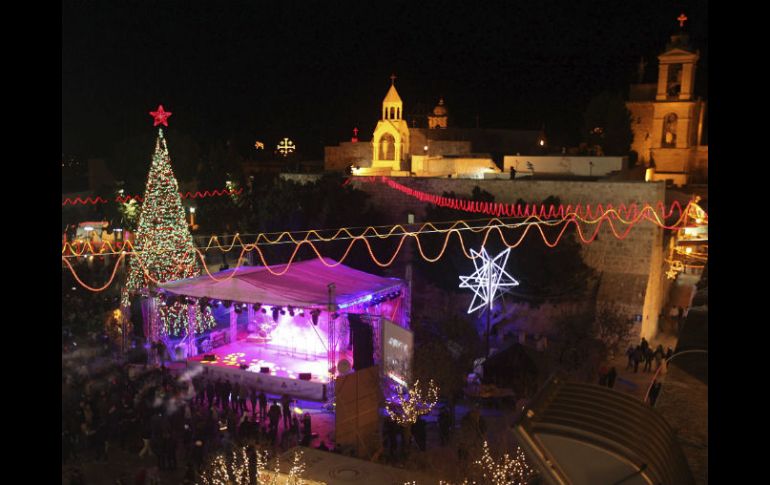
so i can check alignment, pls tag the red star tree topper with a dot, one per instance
(161, 116)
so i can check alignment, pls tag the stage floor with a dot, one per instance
(282, 362)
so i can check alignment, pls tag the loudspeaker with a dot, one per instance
(305, 376)
(264, 370)
(209, 358)
(363, 345)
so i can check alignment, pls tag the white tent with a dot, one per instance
(304, 285)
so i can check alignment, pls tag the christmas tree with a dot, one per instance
(164, 245)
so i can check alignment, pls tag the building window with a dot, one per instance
(669, 130)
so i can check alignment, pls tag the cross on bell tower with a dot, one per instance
(393, 79)
(682, 19)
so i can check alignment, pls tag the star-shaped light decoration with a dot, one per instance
(161, 116)
(489, 281)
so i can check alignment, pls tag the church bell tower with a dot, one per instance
(390, 142)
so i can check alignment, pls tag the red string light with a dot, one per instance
(126, 198)
(500, 209)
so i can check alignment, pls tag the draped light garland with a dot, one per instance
(396, 231)
(623, 212)
(127, 198)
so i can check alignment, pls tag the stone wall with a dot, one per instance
(338, 158)
(641, 124)
(631, 268)
(574, 165)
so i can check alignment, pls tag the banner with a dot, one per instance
(309, 390)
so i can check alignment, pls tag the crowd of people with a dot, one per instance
(165, 418)
(643, 353)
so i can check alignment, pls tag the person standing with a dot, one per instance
(210, 392)
(611, 376)
(227, 389)
(630, 355)
(603, 375)
(648, 354)
(420, 433)
(275, 417)
(654, 392)
(444, 426)
(253, 398)
(307, 428)
(236, 395)
(637, 358)
(218, 391)
(286, 406)
(262, 405)
(658, 356)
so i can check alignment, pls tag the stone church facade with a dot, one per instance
(667, 118)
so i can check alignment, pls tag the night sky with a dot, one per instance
(314, 70)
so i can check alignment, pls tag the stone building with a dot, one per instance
(436, 150)
(668, 120)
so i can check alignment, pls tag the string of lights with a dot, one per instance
(79, 249)
(584, 211)
(126, 198)
(494, 225)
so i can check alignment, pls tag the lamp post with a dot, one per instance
(192, 217)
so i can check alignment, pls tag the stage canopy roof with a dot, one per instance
(304, 285)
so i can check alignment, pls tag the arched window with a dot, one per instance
(387, 148)
(669, 130)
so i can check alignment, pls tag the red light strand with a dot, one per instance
(499, 209)
(139, 198)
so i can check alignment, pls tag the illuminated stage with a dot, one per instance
(316, 317)
(285, 367)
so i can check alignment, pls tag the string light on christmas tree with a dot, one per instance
(506, 471)
(489, 281)
(164, 246)
(407, 405)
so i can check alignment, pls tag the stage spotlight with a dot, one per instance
(257, 306)
(238, 309)
(283, 312)
(291, 311)
(314, 314)
(264, 310)
(275, 314)
(227, 303)
(204, 302)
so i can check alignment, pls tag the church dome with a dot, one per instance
(440, 109)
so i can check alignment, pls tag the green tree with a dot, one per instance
(164, 245)
(607, 123)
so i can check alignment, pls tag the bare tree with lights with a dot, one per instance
(507, 470)
(407, 405)
(241, 466)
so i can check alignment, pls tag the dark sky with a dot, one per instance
(314, 70)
